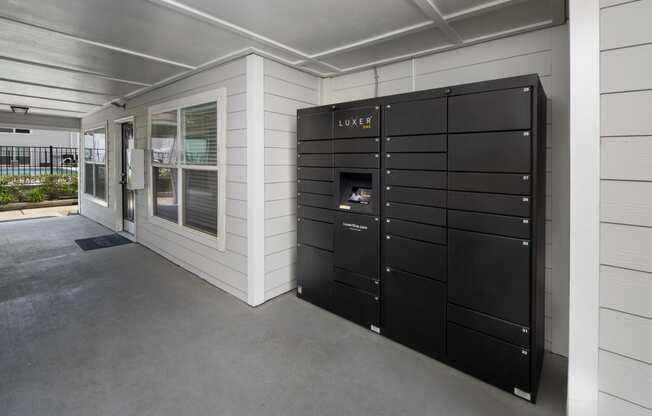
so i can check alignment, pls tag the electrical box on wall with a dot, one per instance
(135, 169)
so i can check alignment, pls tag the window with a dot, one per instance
(11, 130)
(95, 163)
(187, 142)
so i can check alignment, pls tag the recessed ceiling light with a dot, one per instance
(19, 109)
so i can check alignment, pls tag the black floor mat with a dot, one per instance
(102, 241)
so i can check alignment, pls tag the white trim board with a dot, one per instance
(584, 39)
(255, 76)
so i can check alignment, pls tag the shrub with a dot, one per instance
(58, 185)
(6, 197)
(37, 194)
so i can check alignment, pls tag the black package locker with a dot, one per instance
(421, 217)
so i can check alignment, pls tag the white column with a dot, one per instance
(255, 181)
(584, 288)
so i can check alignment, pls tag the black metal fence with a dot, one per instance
(32, 161)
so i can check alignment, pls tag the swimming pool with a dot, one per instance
(35, 171)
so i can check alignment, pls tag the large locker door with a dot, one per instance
(315, 275)
(490, 152)
(414, 311)
(490, 111)
(490, 274)
(357, 243)
(495, 361)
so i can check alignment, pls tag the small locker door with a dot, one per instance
(315, 126)
(415, 117)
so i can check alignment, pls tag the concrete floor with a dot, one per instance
(121, 331)
(32, 213)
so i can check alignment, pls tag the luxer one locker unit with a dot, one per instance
(421, 217)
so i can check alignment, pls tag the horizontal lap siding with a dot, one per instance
(626, 209)
(286, 90)
(227, 269)
(543, 52)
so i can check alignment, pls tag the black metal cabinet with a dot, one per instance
(422, 217)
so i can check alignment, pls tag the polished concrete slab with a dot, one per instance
(122, 331)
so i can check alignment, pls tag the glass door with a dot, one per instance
(128, 196)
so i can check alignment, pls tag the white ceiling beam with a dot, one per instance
(99, 44)
(432, 11)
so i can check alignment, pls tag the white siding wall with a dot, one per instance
(286, 90)
(56, 138)
(228, 269)
(544, 52)
(625, 368)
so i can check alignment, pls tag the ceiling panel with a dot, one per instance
(35, 74)
(315, 25)
(447, 7)
(67, 57)
(16, 88)
(409, 44)
(504, 19)
(27, 43)
(137, 25)
(4, 107)
(45, 103)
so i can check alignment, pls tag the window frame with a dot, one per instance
(93, 197)
(219, 97)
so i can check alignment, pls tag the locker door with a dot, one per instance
(315, 126)
(357, 243)
(315, 275)
(490, 111)
(415, 117)
(490, 274)
(414, 311)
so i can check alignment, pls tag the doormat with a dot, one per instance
(102, 241)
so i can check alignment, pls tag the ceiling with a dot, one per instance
(71, 57)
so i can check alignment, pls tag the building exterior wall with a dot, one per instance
(38, 138)
(225, 269)
(286, 90)
(625, 356)
(544, 52)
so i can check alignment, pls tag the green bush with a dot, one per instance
(37, 194)
(6, 197)
(21, 188)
